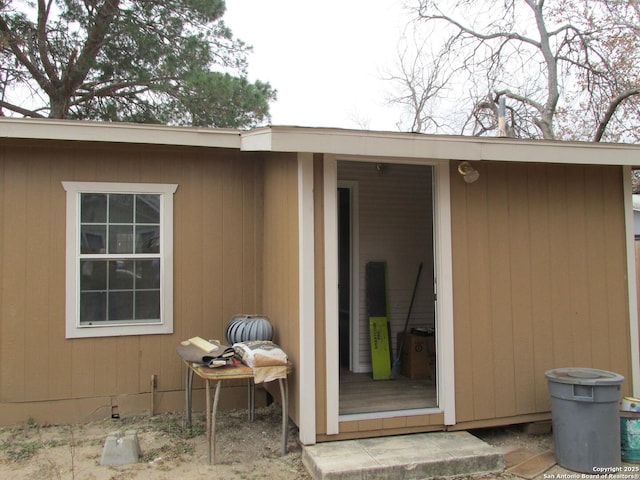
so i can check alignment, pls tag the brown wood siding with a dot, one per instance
(381, 427)
(539, 267)
(217, 264)
(280, 273)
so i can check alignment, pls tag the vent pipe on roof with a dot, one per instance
(502, 123)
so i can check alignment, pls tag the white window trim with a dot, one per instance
(74, 189)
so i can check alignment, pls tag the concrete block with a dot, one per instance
(407, 457)
(121, 449)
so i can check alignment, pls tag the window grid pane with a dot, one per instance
(117, 224)
(119, 291)
(116, 289)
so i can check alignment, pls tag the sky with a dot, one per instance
(326, 58)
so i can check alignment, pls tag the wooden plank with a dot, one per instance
(249, 234)
(368, 425)
(359, 393)
(191, 266)
(462, 310)
(37, 319)
(616, 290)
(394, 422)
(293, 260)
(482, 348)
(578, 297)
(127, 364)
(107, 363)
(14, 279)
(500, 291)
(542, 325)
(150, 347)
(560, 272)
(83, 367)
(232, 240)
(212, 252)
(596, 256)
(60, 358)
(424, 420)
(520, 240)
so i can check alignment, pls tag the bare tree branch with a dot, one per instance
(559, 62)
(613, 106)
(22, 111)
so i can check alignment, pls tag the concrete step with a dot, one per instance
(418, 456)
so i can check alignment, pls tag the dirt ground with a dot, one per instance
(170, 451)
(245, 451)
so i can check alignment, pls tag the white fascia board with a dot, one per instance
(437, 147)
(113, 132)
(259, 140)
(394, 146)
(563, 152)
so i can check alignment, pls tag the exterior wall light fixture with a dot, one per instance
(469, 174)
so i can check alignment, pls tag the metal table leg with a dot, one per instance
(188, 390)
(251, 401)
(207, 412)
(214, 409)
(284, 394)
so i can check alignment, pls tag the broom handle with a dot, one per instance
(406, 323)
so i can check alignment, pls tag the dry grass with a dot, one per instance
(169, 449)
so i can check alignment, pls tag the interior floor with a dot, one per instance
(359, 393)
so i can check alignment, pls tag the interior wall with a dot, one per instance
(395, 226)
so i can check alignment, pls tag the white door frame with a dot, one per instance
(631, 282)
(354, 279)
(444, 286)
(306, 281)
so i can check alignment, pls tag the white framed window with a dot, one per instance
(119, 259)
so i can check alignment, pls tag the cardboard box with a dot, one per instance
(418, 358)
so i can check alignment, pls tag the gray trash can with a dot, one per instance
(585, 418)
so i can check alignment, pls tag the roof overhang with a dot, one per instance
(439, 147)
(340, 142)
(113, 132)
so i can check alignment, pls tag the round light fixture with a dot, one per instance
(469, 174)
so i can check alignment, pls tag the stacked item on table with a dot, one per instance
(268, 360)
(208, 353)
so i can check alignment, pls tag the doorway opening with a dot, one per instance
(386, 215)
(344, 272)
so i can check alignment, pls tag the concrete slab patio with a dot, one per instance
(405, 457)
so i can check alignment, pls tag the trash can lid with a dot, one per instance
(584, 376)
